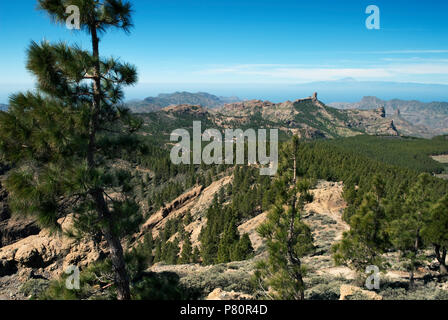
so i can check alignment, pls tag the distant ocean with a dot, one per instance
(331, 91)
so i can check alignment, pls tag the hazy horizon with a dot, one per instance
(222, 48)
(329, 91)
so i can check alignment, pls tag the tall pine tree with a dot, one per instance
(406, 231)
(288, 238)
(366, 240)
(435, 231)
(63, 137)
(186, 256)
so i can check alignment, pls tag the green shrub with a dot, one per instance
(330, 291)
(34, 287)
(162, 286)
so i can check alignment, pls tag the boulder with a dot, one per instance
(13, 230)
(219, 294)
(4, 209)
(48, 253)
(348, 291)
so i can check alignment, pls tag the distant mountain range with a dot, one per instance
(202, 99)
(431, 117)
(307, 118)
(3, 107)
(350, 89)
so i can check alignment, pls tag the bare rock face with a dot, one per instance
(309, 116)
(250, 227)
(310, 134)
(47, 254)
(156, 218)
(243, 112)
(372, 122)
(15, 229)
(219, 294)
(328, 202)
(348, 290)
(195, 201)
(7, 267)
(186, 109)
(4, 209)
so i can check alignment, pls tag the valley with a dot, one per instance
(218, 166)
(180, 203)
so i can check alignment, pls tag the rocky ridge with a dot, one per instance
(309, 118)
(411, 117)
(152, 104)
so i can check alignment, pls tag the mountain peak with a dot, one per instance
(185, 109)
(164, 100)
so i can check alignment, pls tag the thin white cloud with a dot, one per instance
(386, 71)
(403, 51)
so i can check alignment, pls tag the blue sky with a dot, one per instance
(240, 46)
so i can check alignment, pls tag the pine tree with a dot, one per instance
(209, 179)
(187, 251)
(288, 238)
(242, 250)
(406, 231)
(196, 258)
(435, 231)
(187, 219)
(147, 247)
(366, 240)
(56, 135)
(158, 255)
(171, 252)
(229, 238)
(210, 234)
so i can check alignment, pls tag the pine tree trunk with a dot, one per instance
(441, 258)
(292, 258)
(411, 279)
(416, 248)
(115, 248)
(443, 270)
(121, 276)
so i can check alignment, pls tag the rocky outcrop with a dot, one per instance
(372, 122)
(310, 134)
(219, 294)
(327, 205)
(203, 99)
(349, 292)
(406, 128)
(4, 209)
(15, 229)
(418, 118)
(157, 218)
(48, 254)
(308, 118)
(184, 109)
(195, 201)
(250, 227)
(247, 111)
